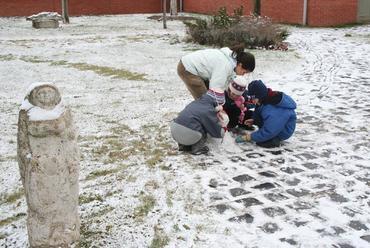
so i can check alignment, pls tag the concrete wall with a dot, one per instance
(79, 7)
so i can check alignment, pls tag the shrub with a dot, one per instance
(228, 30)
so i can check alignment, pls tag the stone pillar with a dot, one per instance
(48, 158)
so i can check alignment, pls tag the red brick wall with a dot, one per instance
(79, 7)
(283, 11)
(212, 6)
(331, 12)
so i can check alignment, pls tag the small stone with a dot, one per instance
(247, 202)
(264, 186)
(270, 227)
(243, 178)
(268, 174)
(298, 193)
(274, 211)
(213, 183)
(238, 191)
(300, 205)
(357, 225)
(245, 217)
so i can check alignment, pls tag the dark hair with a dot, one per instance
(245, 58)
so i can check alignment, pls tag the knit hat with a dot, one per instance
(218, 95)
(238, 85)
(257, 89)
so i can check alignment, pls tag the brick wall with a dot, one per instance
(79, 7)
(283, 11)
(332, 12)
(212, 6)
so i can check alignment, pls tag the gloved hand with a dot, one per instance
(223, 118)
(243, 138)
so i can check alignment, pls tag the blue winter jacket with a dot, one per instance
(200, 115)
(275, 120)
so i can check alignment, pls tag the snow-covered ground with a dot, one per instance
(118, 75)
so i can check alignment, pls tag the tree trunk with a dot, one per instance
(173, 8)
(164, 3)
(65, 14)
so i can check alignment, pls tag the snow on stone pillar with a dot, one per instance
(48, 158)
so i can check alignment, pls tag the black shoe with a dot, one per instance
(202, 150)
(184, 148)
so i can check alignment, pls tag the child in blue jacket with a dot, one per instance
(274, 115)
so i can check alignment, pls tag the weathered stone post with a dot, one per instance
(48, 158)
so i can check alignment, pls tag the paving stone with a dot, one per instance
(310, 166)
(221, 208)
(298, 192)
(270, 227)
(291, 170)
(300, 223)
(238, 191)
(243, 178)
(317, 215)
(264, 186)
(338, 230)
(293, 182)
(237, 159)
(349, 212)
(242, 218)
(289, 241)
(305, 156)
(275, 197)
(213, 183)
(343, 245)
(319, 176)
(337, 197)
(274, 211)
(366, 237)
(346, 172)
(268, 174)
(301, 205)
(254, 155)
(278, 160)
(357, 225)
(247, 202)
(278, 152)
(216, 198)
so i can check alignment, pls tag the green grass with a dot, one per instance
(86, 198)
(13, 197)
(147, 204)
(12, 219)
(160, 239)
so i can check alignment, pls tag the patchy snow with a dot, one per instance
(137, 189)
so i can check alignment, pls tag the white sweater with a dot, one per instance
(215, 65)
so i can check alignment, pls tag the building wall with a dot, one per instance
(332, 12)
(283, 11)
(212, 6)
(79, 7)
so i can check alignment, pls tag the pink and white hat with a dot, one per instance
(238, 85)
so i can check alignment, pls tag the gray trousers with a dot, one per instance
(184, 135)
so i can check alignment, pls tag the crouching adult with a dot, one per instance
(274, 115)
(200, 118)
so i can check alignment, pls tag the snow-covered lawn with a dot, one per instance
(118, 75)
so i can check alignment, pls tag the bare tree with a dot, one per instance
(173, 7)
(65, 14)
(164, 5)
